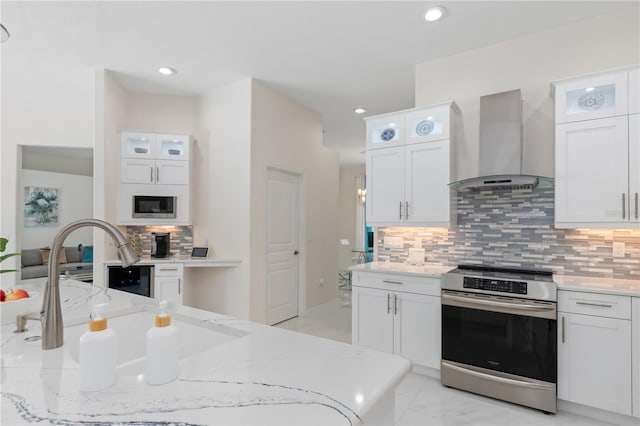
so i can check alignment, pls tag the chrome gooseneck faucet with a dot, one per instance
(51, 313)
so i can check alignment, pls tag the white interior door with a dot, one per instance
(283, 227)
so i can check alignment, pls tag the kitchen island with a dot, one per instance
(249, 374)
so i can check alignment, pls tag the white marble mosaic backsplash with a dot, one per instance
(515, 229)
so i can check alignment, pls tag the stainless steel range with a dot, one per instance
(499, 334)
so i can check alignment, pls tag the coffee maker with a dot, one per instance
(160, 244)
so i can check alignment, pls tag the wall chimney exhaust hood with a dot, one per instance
(500, 146)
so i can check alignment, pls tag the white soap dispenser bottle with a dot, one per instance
(163, 350)
(97, 354)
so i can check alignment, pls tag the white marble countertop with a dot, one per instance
(188, 261)
(267, 376)
(432, 270)
(598, 285)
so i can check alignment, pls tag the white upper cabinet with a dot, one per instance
(159, 159)
(385, 131)
(599, 96)
(407, 179)
(634, 91)
(597, 152)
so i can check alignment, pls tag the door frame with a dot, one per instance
(302, 257)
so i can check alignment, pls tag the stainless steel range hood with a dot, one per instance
(500, 146)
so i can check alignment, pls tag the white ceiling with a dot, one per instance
(328, 55)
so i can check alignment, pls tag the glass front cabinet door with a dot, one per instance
(426, 125)
(385, 131)
(172, 147)
(593, 97)
(137, 145)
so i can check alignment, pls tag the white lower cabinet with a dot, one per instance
(594, 350)
(168, 282)
(398, 314)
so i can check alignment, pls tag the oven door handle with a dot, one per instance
(496, 304)
(520, 383)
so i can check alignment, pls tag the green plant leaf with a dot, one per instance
(2, 271)
(6, 256)
(3, 244)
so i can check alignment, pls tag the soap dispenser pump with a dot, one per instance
(97, 353)
(163, 350)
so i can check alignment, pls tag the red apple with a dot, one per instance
(16, 294)
(2, 295)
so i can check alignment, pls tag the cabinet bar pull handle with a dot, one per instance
(623, 205)
(562, 329)
(157, 174)
(601, 305)
(395, 304)
(392, 282)
(406, 210)
(169, 269)
(179, 286)
(400, 210)
(388, 302)
(636, 205)
(151, 167)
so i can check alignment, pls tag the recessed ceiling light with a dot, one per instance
(434, 13)
(166, 70)
(359, 110)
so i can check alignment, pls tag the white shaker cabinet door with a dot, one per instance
(169, 289)
(592, 172)
(427, 193)
(385, 185)
(137, 170)
(372, 318)
(172, 172)
(417, 328)
(594, 361)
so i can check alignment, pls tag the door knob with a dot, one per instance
(296, 252)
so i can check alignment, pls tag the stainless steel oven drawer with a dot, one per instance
(507, 387)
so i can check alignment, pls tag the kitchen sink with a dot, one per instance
(131, 329)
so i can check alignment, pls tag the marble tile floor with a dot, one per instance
(422, 400)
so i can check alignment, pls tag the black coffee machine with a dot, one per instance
(160, 244)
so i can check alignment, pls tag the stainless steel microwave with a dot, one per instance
(155, 206)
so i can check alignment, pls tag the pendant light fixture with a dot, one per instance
(4, 34)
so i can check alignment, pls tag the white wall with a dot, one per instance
(75, 195)
(529, 63)
(288, 136)
(221, 199)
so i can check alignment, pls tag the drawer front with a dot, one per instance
(169, 269)
(396, 282)
(596, 304)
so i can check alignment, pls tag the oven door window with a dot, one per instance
(514, 344)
